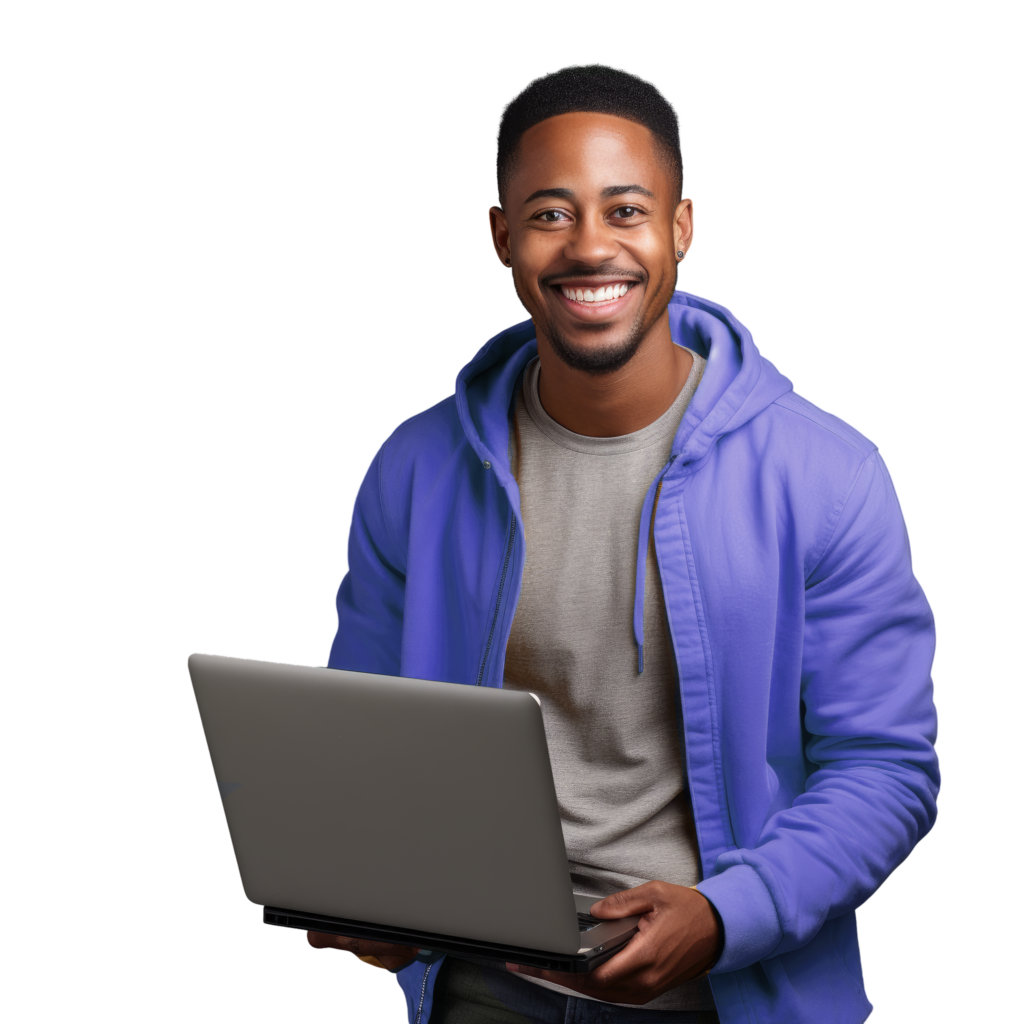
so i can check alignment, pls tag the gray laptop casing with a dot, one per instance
(421, 805)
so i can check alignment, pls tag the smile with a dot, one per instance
(592, 296)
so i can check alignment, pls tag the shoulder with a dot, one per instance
(409, 464)
(421, 463)
(432, 435)
(805, 419)
(805, 444)
(799, 460)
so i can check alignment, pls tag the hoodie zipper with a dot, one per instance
(423, 992)
(497, 604)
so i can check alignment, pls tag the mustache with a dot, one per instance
(607, 270)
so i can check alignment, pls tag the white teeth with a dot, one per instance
(604, 294)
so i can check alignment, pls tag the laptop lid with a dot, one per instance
(403, 802)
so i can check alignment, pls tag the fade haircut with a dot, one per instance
(592, 88)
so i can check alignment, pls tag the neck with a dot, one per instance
(617, 403)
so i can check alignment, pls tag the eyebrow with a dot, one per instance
(606, 193)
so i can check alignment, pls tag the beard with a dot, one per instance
(596, 361)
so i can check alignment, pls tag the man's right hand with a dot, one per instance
(384, 953)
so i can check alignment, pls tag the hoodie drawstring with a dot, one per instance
(641, 564)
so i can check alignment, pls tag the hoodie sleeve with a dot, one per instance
(869, 727)
(372, 594)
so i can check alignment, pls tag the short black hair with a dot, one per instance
(591, 88)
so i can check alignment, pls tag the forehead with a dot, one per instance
(587, 152)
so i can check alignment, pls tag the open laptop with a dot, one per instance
(402, 810)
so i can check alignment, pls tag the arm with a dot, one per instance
(870, 727)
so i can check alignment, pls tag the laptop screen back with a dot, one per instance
(422, 805)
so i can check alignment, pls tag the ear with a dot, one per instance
(683, 225)
(499, 233)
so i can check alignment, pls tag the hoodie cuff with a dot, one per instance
(749, 918)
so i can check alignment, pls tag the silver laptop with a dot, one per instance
(407, 811)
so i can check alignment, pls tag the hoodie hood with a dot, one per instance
(737, 384)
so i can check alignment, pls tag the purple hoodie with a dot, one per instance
(802, 640)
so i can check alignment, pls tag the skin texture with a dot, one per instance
(591, 238)
(605, 372)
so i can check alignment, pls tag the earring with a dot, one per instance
(508, 261)
(680, 255)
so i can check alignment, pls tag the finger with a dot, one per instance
(321, 940)
(637, 955)
(640, 900)
(374, 962)
(574, 981)
(614, 981)
(361, 947)
(618, 989)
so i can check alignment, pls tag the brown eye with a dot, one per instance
(552, 216)
(628, 211)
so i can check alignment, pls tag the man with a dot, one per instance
(625, 509)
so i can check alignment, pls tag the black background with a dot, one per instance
(339, 273)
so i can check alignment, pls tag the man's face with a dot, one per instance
(593, 223)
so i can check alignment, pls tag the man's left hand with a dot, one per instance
(679, 939)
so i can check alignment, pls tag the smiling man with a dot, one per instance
(626, 510)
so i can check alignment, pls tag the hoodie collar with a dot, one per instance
(738, 383)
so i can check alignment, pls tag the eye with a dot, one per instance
(625, 212)
(552, 216)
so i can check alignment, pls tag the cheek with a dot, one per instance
(662, 271)
(655, 252)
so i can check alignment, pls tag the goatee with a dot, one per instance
(597, 361)
(600, 360)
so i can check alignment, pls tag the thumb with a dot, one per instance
(625, 904)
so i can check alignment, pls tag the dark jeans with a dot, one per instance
(470, 994)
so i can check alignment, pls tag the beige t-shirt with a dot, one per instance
(612, 733)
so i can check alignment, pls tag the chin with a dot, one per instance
(607, 357)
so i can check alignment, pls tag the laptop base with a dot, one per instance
(568, 963)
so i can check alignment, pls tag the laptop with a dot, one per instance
(401, 810)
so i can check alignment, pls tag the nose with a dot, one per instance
(591, 241)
